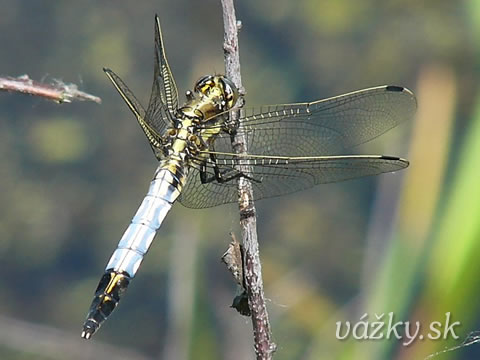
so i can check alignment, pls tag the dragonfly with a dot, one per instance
(291, 147)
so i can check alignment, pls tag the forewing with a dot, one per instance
(137, 109)
(276, 175)
(163, 102)
(324, 127)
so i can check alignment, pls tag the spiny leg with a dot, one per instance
(221, 176)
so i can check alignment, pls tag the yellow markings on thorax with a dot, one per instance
(210, 133)
(180, 143)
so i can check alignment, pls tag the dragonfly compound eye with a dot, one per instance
(204, 84)
(230, 91)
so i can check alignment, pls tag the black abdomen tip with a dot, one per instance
(89, 329)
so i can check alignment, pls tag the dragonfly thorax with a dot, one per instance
(211, 95)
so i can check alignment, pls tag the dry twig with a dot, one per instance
(58, 91)
(252, 270)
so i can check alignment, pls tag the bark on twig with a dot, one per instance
(233, 259)
(58, 91)
(264, 346)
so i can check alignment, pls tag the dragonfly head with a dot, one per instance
(219, 89)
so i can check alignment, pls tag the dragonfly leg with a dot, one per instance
(221, 176)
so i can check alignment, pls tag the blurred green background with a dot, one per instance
(72, 177)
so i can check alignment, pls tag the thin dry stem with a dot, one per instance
(252, 269)
(58, 91)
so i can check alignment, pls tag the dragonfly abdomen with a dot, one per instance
(135, 242)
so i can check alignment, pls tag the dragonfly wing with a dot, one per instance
(276, 175)
(163, 102)
(198, 195)
(326, 127)
(137, 108)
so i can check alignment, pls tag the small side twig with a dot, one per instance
(58, 91)
(233, 259)
(252, 269)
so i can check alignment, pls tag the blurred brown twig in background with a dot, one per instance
(59, 91)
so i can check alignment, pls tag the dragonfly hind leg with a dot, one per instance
(222, 176)
(110, 289)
